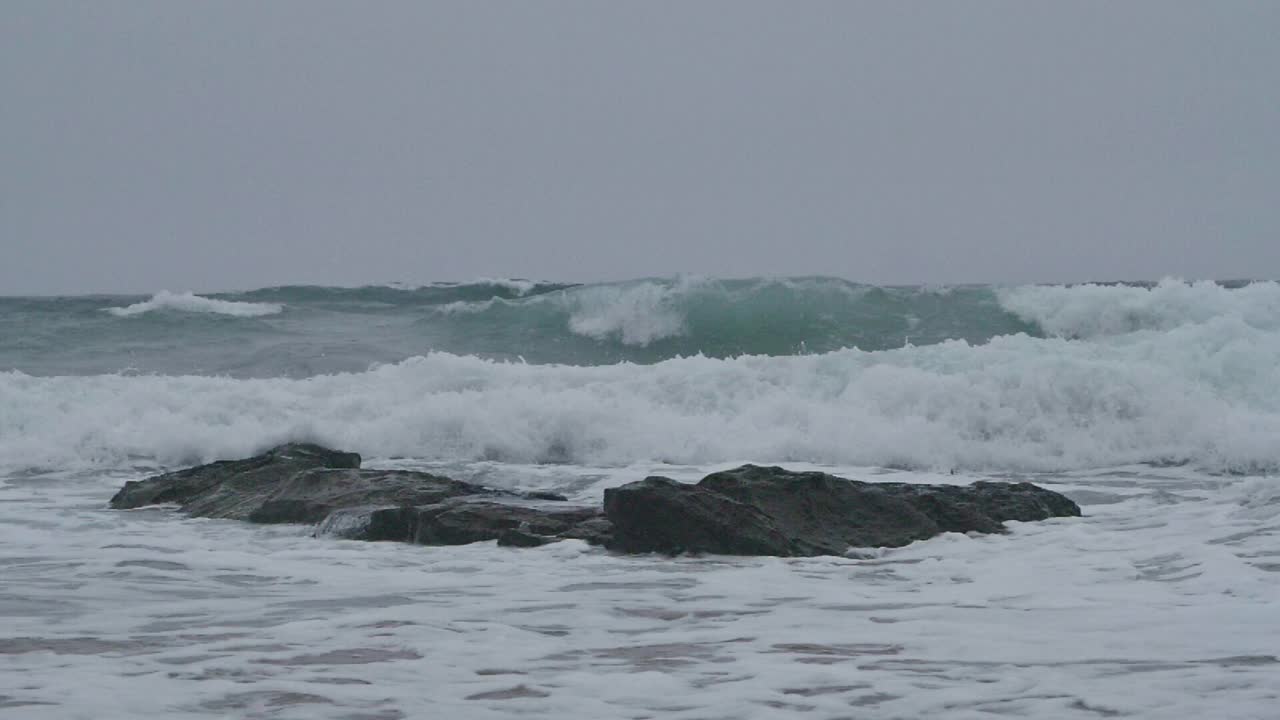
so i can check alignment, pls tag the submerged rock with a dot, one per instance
(753, 510)
(304, 483)
(750, 510)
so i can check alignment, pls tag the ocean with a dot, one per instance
(1155, 406)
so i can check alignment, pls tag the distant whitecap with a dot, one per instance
(190, 302)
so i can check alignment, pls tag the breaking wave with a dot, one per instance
(1089, 311)
(685, 370)
(655, 319)
(1207, 394)
(190, 302)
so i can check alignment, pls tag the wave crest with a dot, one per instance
(635, 314)
(1092, 311)
(190, 302)
(1203, 394)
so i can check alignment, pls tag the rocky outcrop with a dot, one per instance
(750, 510)
(754, 510)
(517, 521)
(304, 483)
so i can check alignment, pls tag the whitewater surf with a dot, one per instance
(1155, 406)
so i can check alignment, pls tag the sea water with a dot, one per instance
(1155, 406)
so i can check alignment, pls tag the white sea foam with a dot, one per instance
(517, 285)
(190, 302)
(470, 307)
(1208, 394)
(1088, 311)
(1159, 604)
(635, 313)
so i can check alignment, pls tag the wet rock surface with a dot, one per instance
(754, 510)
(514, 521)
(750, 510)
(304, 483)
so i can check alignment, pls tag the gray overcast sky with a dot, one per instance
(201, 145)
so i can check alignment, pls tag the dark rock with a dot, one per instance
(296, 483)
(184, 485)
(661, 515)
(302, 483)
(750, 510)
(596, 530)
(458, 521)
(755, 510)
